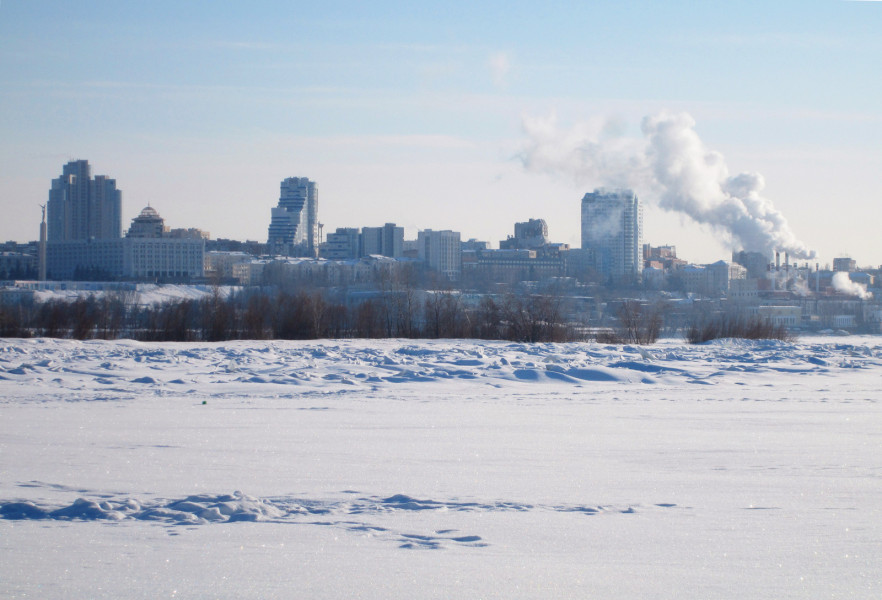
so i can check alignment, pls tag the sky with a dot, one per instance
(468, 116)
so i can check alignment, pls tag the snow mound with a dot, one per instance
(205, 509)
(276, 368)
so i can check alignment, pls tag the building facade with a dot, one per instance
(513, 266)
(387, 240)
(844, 263)
(85, 259)
(756, 263)
(441, 251)
(342, 244)
(612, 228)
(83, 208)
(146, 253)
(294, 226)
(527, 235)
(151, 253)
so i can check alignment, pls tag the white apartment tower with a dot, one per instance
(294, 227)
(612, 228)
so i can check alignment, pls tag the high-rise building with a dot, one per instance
(612, 225)
(441, 251)
(294, 227)
(387, 240)
(83, 208)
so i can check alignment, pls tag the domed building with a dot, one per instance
(151, 252)
(84, 236)
(147, 225)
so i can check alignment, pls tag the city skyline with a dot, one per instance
(612, 227)
(416, 116)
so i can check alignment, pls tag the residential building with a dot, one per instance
(294, 226)
(220, 266)
(83, 208)
(722, 273)
(612, 224)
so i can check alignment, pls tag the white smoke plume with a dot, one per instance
(672, 166)
(842, 283)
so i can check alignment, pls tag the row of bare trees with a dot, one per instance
(394, 312)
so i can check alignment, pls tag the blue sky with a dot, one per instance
(414, 114)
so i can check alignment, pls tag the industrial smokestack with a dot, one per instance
(671, 159)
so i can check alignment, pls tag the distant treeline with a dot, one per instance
(303, 315)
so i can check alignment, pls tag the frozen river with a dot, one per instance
(440, 469)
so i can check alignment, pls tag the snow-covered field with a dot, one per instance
(440, 469)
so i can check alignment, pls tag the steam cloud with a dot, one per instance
(842, 283)
(674, 166)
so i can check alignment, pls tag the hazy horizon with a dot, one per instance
(471, 116)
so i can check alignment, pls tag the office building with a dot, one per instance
(147, 253)
(530, 234)
(342, 244)
(387, 240)
(150, 252)
(441, 251)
